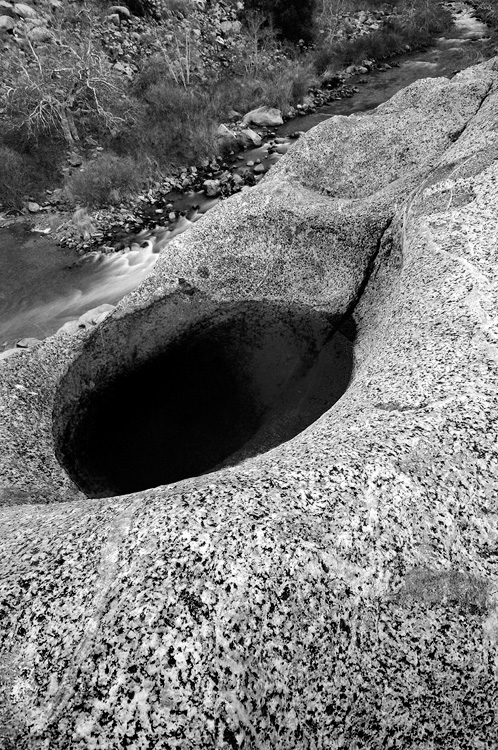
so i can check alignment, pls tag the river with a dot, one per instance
(42, 286)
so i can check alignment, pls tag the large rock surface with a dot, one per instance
(264, 117)
(340, 589)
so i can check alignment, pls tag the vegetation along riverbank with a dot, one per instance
(100, 104)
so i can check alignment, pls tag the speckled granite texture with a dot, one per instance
(339, 591)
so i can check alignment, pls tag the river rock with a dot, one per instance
(263, 117)
(75, 160)
(121, 10)
(7, 9)
(24, 11)
(331, 581)
(282, 148)
(28, 343)
(228, 137)
(70, 327)
(88, 320)
(33, 207)
(230, 28)
(249, 137)
(95, 316)
(6, 23)
(225, 132)
(212, 188)
(40, 34)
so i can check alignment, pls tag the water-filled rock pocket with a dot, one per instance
(188, 385)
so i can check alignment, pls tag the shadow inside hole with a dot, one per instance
(234, 383)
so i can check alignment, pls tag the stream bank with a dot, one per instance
(43, 287)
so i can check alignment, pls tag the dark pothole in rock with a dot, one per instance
(189, 385)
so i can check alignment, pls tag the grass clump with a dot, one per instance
(15, 177)
(176, 125)
(282, 86)
(263, 71)
(108, 179)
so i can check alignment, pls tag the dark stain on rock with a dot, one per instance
(448, 588)
(203, 272)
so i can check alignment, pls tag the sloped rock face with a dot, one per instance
(340, 589)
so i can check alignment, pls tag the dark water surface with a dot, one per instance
(42, 286)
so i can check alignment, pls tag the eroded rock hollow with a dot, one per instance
(311, 583)
(140, 407)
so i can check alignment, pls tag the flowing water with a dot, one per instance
(42, 286)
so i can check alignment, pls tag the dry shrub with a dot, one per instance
(65, 90)
(153, 70)
(179, 124)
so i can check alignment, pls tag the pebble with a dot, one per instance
(120, 10)
(24, 11)
(40, 34)
(212, 188)
(75, 160)
(28, 343)
(6, 23)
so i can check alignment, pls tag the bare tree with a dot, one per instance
(50, 89)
